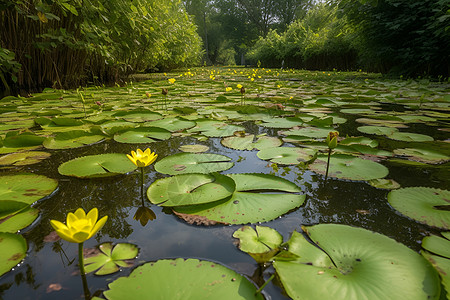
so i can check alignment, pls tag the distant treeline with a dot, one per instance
(401, 37)
(66, 43)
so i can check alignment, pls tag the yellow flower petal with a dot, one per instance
(98, 226)
(92, 216)
(80, 213)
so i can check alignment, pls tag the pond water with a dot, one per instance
(50, 271)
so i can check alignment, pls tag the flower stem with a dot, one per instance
(142, 185)
(328, 163)
(80, 258)
(265, 283)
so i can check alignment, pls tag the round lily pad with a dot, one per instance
(197, 148)
(142, 135)
(349, 167)
(354, 263)
(23, 158)
(410, 137)
(173, 124)
(287, 155)
(110, 258)
(190, 189)
(423, 204)
(19, 221)
(182, 163)
(25, 188)
(101, 165)
(257, 198)
(282, 122)
(13, 248)
(423, 155)
(212, 128)
(246, 142)
(189, 279)
(439, 256)
(72, 139)
(313, 132)
(378, 130)
(388, 184)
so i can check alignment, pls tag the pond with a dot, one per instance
(403, 127)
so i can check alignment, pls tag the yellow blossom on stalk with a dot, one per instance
(79, 227)
(252, 79)
(331, 139)
(142, 158)
(228, 89)
(239, 86)
(172, 80)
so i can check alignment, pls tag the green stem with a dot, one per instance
(142, 184)
(328, 163)
(265, 283)
(80, 258)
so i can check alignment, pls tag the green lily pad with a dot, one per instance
(427, 156)
(250, 203)
(313, 132)
(23, 158)
(23, 140)
(439, 256)
(182, 163)
(426, 205)
(26, 188)
(261, 244)
(410, 137)
(19, 221)
(101, 165)
(212, 128)
(143, 135)
(138, 116)
(173, 124)
(287, 155)
(190, 189)
(13, 249)
(387, 184)
(354, 263)
(72, 139)
(349, 167)
(197, 148)
(288, 122)
(246, 142)
(377, 130)
(110, 259)
(195, 279)
(360, 140)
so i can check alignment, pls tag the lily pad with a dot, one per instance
(313, 132)
(143, 135)
(25, 188)
(354, 263)
(190, 189)
(387, 184)
(257, 198)
(288, 122)
(261, 244)
(23, 158)
(102, 165)
(197, 148)
(427, 156)
(246, 142)
(19, 221)
(410, 137)
(72, 139)
(426, 205)
(195, 279)
(349, 167)
(212, 128)
(111, 258)
(13, 248)
(287, 155)
(138, 116)
(173, 124)
(377, 130)
(182, 163)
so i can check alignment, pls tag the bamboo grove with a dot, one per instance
(66, 43)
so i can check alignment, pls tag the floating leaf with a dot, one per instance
(101, 165)
(423, 155)
(19, 221)
(138, 116)
(261, 244)
(194, 279)
(13, 249)
(313, 132)
(72, 139)
(349, 167)
(26, 188)
(197, 148)
(212, 128)
(189, 189)
(257, 198)
(410, 137)
(378, 130)
(110, 258)
(287, 155)
(354, 263)
(246, 142)
(142, 135)
(387, 184)
(23, 158)
(426, 205)
(288, 122)
(182, 163)
(173, 124)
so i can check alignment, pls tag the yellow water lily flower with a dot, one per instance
(331, 139)
(172, 80)
(228, 89)
(79, 227)
(239, 86)
(142, 158)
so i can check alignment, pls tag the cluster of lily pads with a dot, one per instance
(293, 119)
